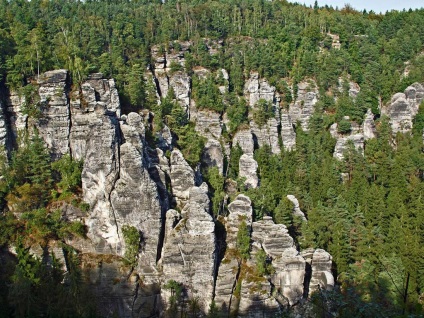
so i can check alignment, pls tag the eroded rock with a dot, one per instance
(188, 255)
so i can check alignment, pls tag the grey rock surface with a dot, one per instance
(403, 107)
(303, 107)
(182, 176)
(213, 156)
(368, 126)
(55, 122)
(244, 139)
(288, 135)
(296, 208)
(188, 255)
(248, 169)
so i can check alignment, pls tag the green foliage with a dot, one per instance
(135, 88)
(31, 105)
(243, 240)
(207, 94)
(233, 164)
(344, 126)
(263, 265)
(132, 238)
(237, 112)
(263, 111)
(216, 188)
(70, 174)
(176, 295)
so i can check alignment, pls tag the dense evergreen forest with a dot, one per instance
(367, 210)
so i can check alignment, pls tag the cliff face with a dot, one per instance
(126, 182)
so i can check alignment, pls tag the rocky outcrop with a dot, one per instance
(14, 111)
(100, 172)
(244, 139)
(239, 210)
(288, 135)
(296, 208)
(289, 266)
(368, 126)
(343, 143)
(352, 88)
(167, 76)
(304, 105)
(188, 255)
(135, 198)
(248, 169)
(97, 95)
(3, 127)
(267, 134)
(182, 176)
(403, 107)
(256, 89)
(320, 262)
(354, 137)
(54, 122)
(208, 124)
(212, 155)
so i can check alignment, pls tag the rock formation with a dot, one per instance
(403, 107)
(296, 208)
(303, 107)
(188, 255)
(128, 182)
(182, 176)
(248, 169)
(288, 135)
(368, 126)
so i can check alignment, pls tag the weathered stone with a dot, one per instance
(267, 135)
(244, 139)
(3, 127)
(290, 275)
(188, 255)
(352, 87)
(289, 266)
(54, 123)
(296, 208)
(208, 124)
(304, 105)
(368, 126)
(100, 172)
(256, 89)
(182, 176)
(212, 155)
(403, 107)
(239, 210)
(256, 298)
(134, 198)
(343, 142)
(14, 111)
(288, 135)
(248, 169)
(321, 262)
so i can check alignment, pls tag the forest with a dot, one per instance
(366, 210)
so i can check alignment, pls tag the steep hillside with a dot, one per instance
(239, 158)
